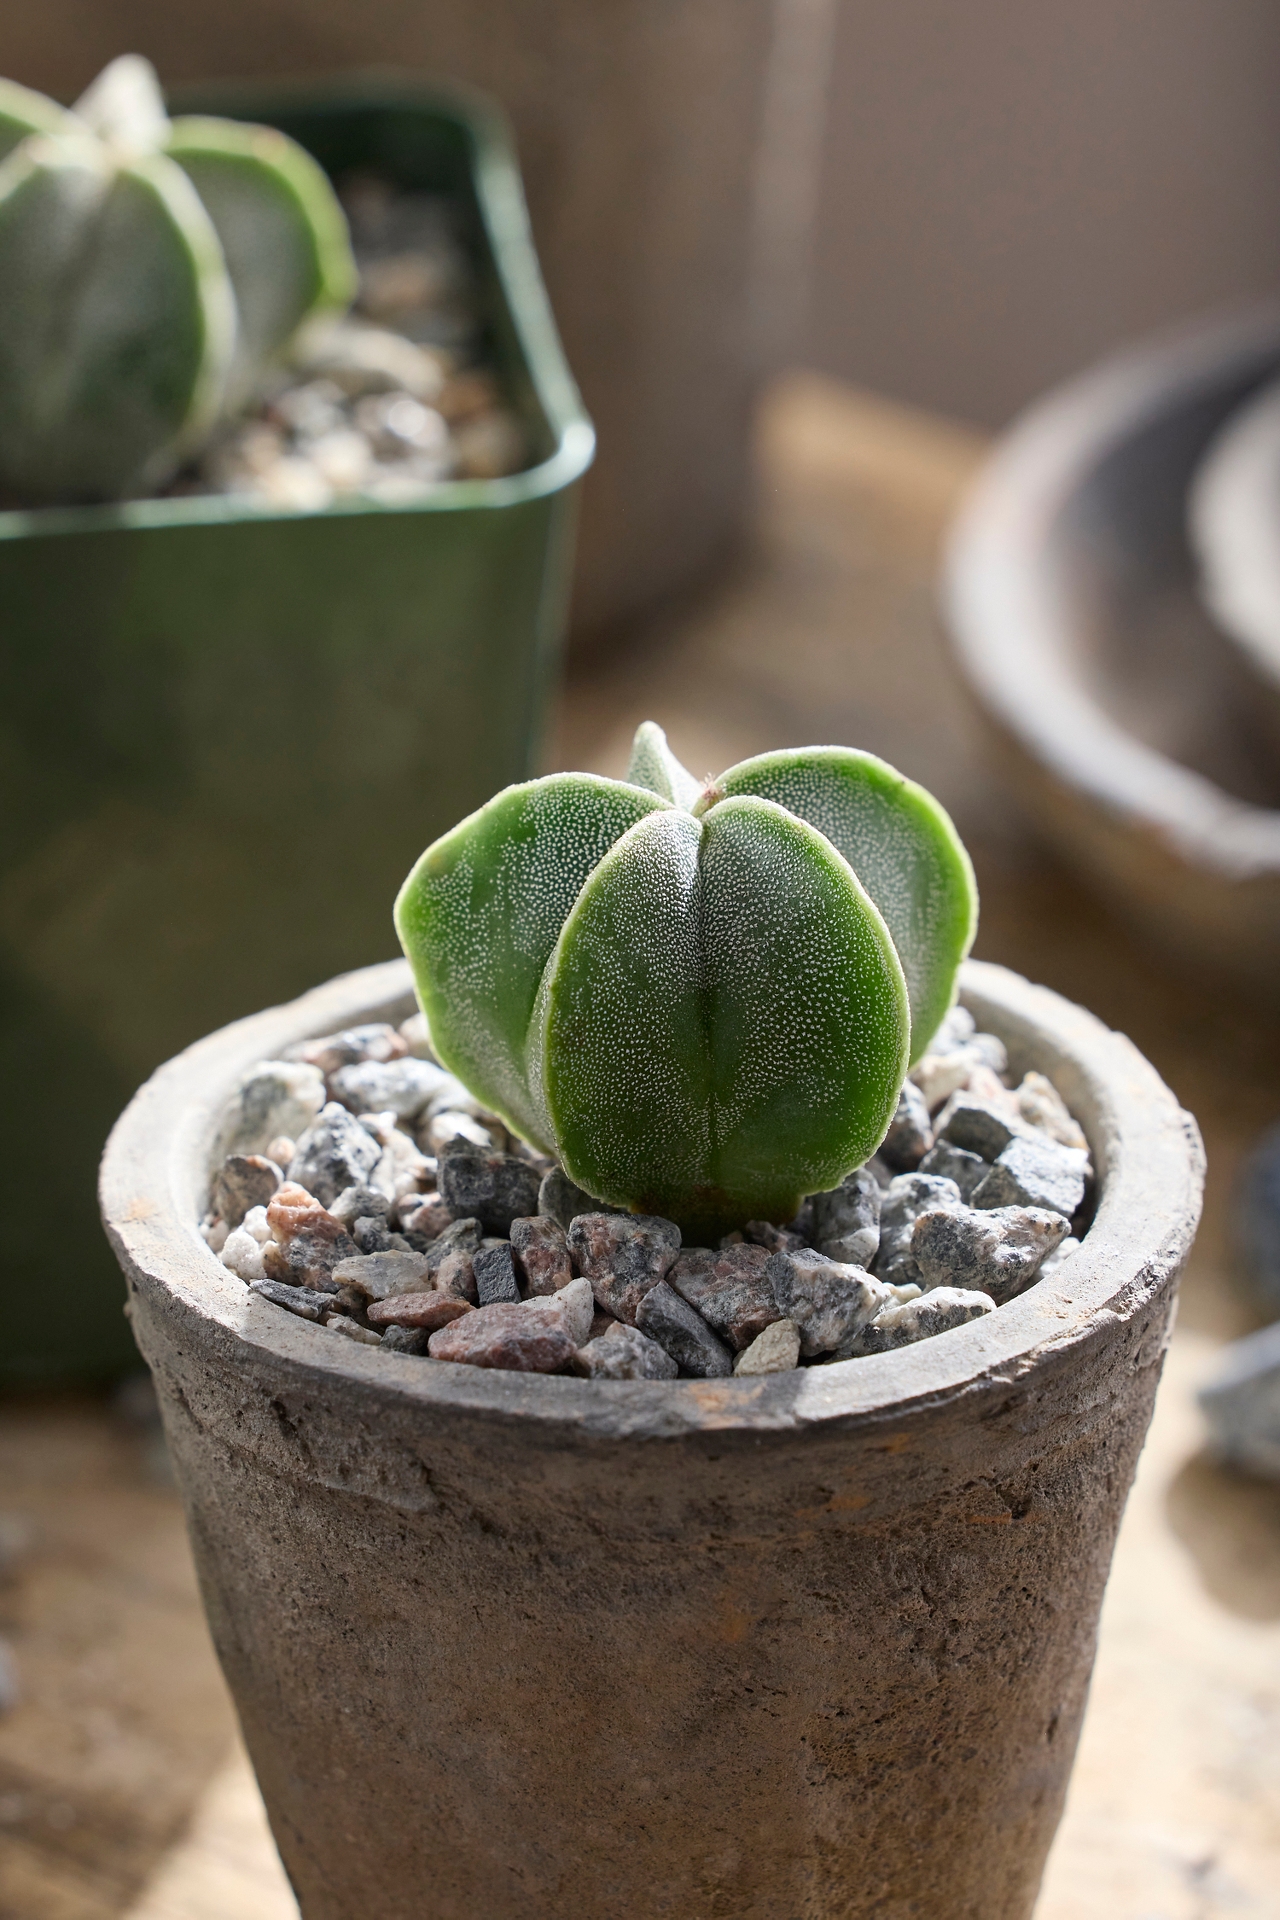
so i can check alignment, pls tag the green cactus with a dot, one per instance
(152, 269)
(692, 996)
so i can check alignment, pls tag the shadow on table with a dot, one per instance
(1229, 1522)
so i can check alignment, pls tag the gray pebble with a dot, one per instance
(729, 1288)
(359, 1203)
(845, 1223)
(624, 1353)
(335, 1153)
(375, 1040)
(352, 1330)
(910, 1195)
(372, 1235)
(244, 1180)
(275, 1097)
(776, 1350)
(494, 1188)
(402, 1087)
(996, 1251)
(685, 1335)
(377, 1276)
(947, 1162)
(1242, 1402)
(460, 1236)
(300, 1300)
(910, 1135)
(825, 1300)
(763, 1233)
(1036, 1172)
(495, 1272)
(541, 1248)
(977, 1126)
(905, 1322)
(564, 1200)
(956, 1026)
(623, 1255)
(406, 1339)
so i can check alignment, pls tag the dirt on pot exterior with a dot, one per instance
(359, 1186)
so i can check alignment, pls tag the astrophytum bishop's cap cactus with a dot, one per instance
(150, 268)
(702, 1000)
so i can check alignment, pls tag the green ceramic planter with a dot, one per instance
(226, 733)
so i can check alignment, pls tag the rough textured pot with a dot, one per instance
(1121, 714)
(1234, 523)
(817, 1645)
(227, 733)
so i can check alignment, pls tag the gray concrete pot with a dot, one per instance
(516, 1648)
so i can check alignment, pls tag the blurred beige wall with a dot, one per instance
(1011, 186)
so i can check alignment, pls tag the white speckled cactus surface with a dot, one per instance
(702, 999)
(150, 269)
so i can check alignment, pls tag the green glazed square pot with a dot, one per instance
(227, 732)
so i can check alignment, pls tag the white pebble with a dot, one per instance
(448, 1126)
(776, 1350)
(214, 1234)
(242, 1253)
(255, 1222)
(343, 458)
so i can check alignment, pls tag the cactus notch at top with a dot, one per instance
(702, 1000)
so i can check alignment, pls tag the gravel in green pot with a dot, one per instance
(283, 586)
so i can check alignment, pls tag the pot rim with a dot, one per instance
(1231, 514)
(1018, 568)
(504, 216)
(1146, 1150)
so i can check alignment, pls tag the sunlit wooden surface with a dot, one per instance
(123, 1792)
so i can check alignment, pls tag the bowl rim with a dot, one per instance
(1146, 1149)
(1012, 576)
(1233, 514)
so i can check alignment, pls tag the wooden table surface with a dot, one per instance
(123, 1791)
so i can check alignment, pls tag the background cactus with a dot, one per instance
(151, 268)
(694, 996)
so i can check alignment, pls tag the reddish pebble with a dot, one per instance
(429, 1310)
(516, 1336)
(541, 1249)
(457, 1277)
(429, 1216)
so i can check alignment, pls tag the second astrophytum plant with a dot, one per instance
(701, 999)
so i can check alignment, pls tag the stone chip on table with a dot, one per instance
(825, 1300)
(623, 1255)
(729, 1288)
(664, 1316)
(494, 1188)
(541, 1248)
(624, 1353)
(997, 1251)
(1035, 1172)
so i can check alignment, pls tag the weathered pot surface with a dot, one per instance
(815, 1644)
(1124, 718)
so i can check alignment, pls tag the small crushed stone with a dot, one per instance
(418, 1223)
(390, 401)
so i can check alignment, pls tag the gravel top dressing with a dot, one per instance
(390, 400)
(359, 1186)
